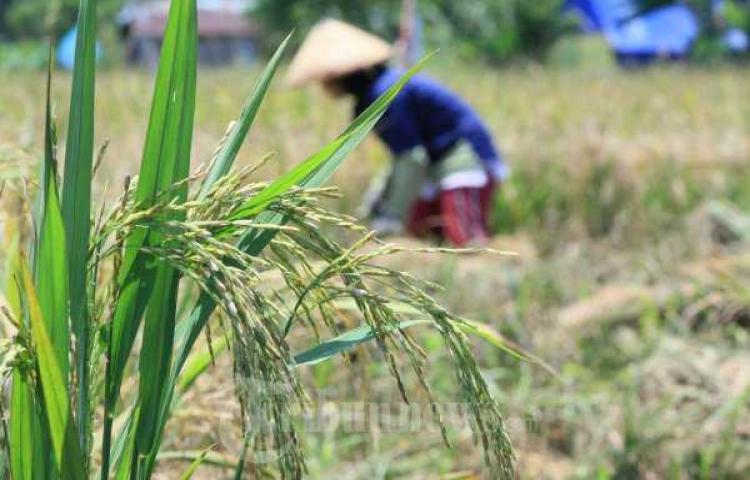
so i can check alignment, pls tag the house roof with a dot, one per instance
(216, 18)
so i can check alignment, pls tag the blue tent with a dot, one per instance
(736, 40)
(599, 16)
(66, 50)
(664, 32)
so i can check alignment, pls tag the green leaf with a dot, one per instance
(155, 360)
(50, 263)
(199, 363)
(496, 339)
(165, 160)
(195, 465)
(345, 342)
(330, 348)
(66, 450)
(228, 153)
(28, 437)
(148, 286)
(263, 199)
(22, 438)
(124, 445)
(469, 327)
(76, 204)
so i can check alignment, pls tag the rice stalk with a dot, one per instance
(116, 277)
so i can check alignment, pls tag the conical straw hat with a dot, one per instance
(334, 48)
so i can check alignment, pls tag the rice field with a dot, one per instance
(694, 117)
(629, 284)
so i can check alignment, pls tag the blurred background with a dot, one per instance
(496, 31)
(627, 126)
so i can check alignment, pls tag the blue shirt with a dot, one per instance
(426, 114)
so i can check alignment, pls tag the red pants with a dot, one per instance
(459, 216)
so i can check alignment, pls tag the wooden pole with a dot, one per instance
(409, 43)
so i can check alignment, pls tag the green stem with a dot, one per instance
(82, 400)
(107, 428)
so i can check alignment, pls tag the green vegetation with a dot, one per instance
(629, 281)
(495, 30)
(28, 55)
(31, 19)
(738, 14)
(94, 304)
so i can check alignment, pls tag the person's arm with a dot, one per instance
(492, 157)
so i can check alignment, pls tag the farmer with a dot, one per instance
(445, 167)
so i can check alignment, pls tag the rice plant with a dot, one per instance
(93, 301)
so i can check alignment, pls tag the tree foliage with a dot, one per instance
(35, 18)
(495, 29)
(737, 14)
(502, 29)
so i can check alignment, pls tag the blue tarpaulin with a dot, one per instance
(664, 32)
(66, 50)
(668, 31)
(599, 16)
(736, 40)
